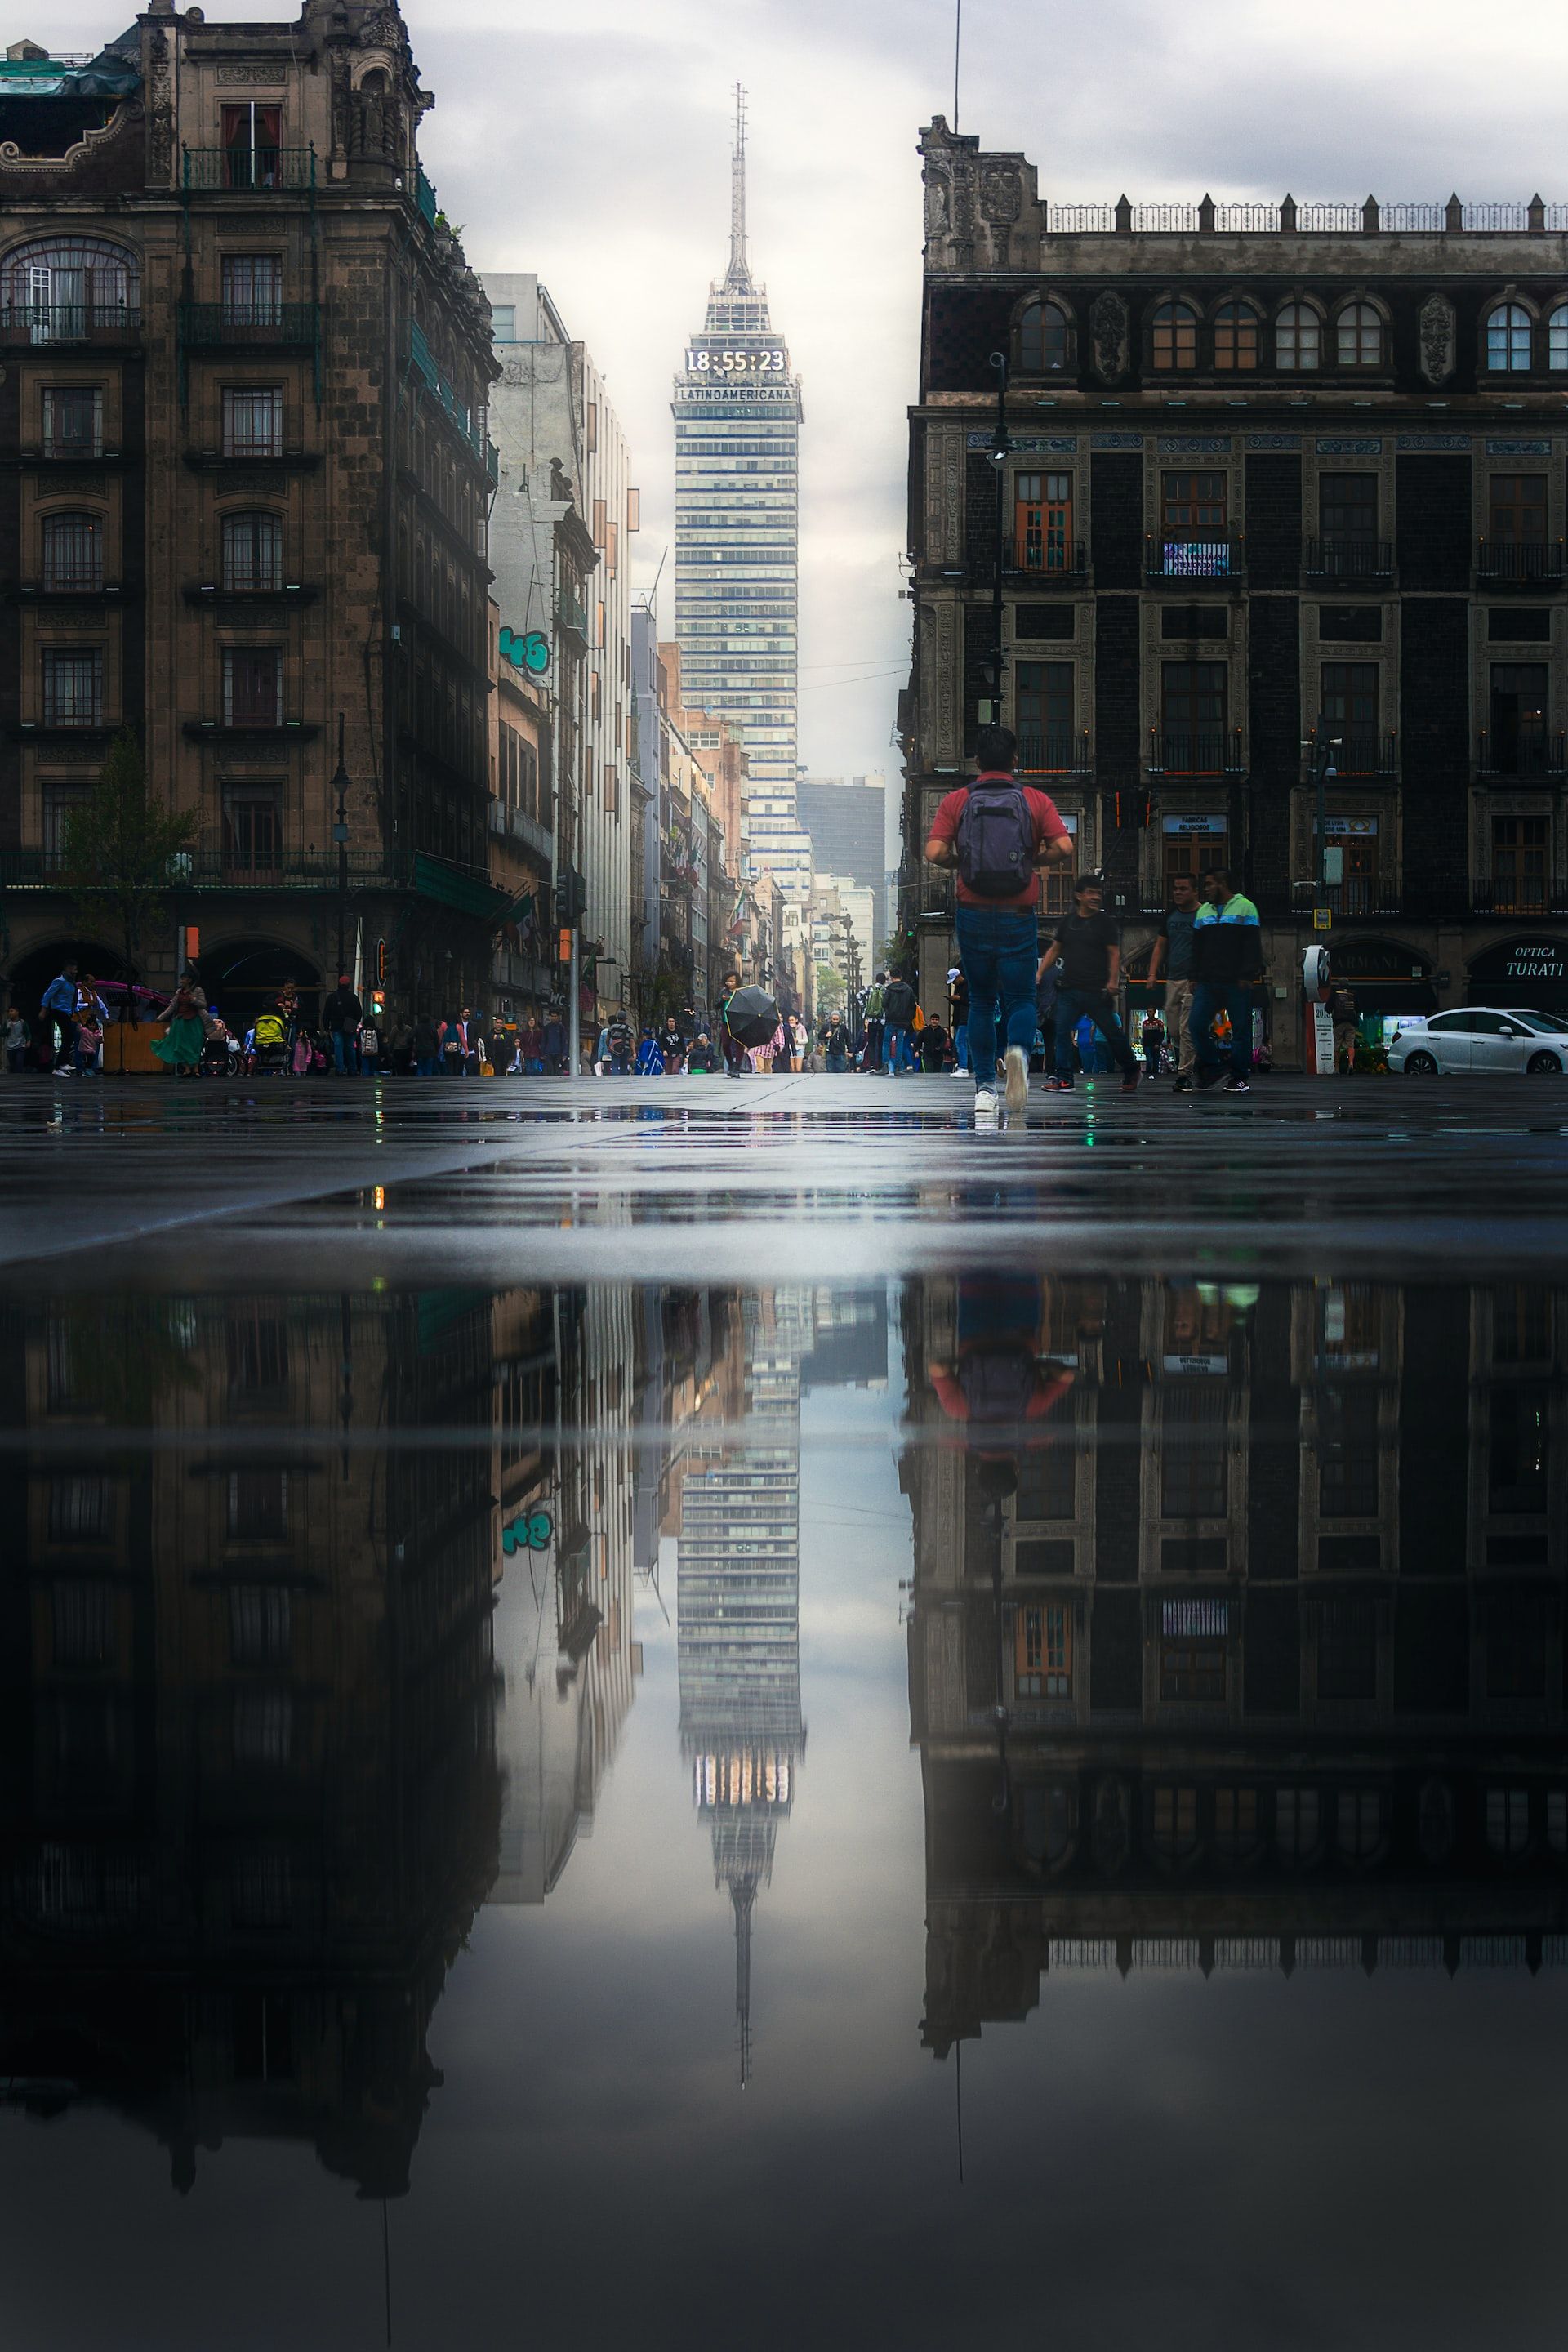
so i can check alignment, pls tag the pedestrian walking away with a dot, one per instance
(17, 1038)
(1087, 950)
(1227, 965)
(871, 1012)
(899, 1006)
(1151, 1037)
(997, 833)
(958, 1013)
(1172, 962)
(340, 1017)
(58, 1007)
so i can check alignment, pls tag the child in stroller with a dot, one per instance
(267, 1047)
(220, 1051)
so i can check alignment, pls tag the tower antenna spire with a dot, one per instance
(739, 272)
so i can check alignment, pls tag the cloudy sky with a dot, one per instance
(591, 143)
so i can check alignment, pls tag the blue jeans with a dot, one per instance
(998, 947)
(960, 1044)
(425, 1066)
(345, 1054)
(1072, 1004)
(899, 1046)
(1214, 996)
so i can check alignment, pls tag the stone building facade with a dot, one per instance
(1264, 467)
(246, 490)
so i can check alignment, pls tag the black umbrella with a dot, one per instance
(751, 1016)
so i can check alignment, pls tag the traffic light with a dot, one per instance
(381, 963)
(571, 898)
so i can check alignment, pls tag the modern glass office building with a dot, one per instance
(737, 436)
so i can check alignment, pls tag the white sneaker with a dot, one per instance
(987, 1105)
(1016, 1064)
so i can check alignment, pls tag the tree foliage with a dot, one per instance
(116, 852)
(829, 989)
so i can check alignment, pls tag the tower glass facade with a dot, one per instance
(737, 436)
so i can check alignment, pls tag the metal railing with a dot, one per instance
(264, 325)
(425, 195)
(1358, 893)
(1522, 894)
(1048, 751)
(1349, 558)
(1520, 754)
(571, 614)
(1196, 751)
(69, 322)
(1193, 555)
(1364, 751)
(1367, 218)
(457, 412)
(1052, 559)
(1533, 562)
(257, 170)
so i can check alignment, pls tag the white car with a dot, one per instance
(1477, 1038)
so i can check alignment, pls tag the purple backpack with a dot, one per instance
(996, 839)
(998, 1384)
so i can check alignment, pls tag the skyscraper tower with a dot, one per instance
(737, 440)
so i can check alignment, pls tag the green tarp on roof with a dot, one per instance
(434, 878)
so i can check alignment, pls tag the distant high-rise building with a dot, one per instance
(737, 432)
(845, 816)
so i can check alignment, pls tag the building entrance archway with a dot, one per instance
(242, 978)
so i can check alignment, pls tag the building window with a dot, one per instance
(252, 142)
(59, 801)
(1347, 1652)
(1508, 1819)
(1236, 337)
(252, 554)
(1347, 509)
(1176, 337)
(1357, 839)
(61, 288)
(80, 1508)
(1173, 1822)
(72, 550)
(252, 289)
(1296, 1823)
(259, 1505)
(1044, 340)
(1047, 1481)
(1358, 336)
(1520, 846)
(1045, 716)
(503, 322)
(1043, 1650)
(253, 420)
(251, 830)
(1557, 338)
(1557, 1821)
(252, 685)
(73, 420)
(260, 1888)
(257, 1347)
(1516, 1646)
(81, 1622)
(1507, 339)
(1517, 742)
(1347, 1454)
(1042, 523)
(1517, 1457)
(1357, 1823)
(1517, 513)
(1195, 542)
(1298, 337)
(1523, 1325)
(261, 1626)
(1235, 1823)
(1194, 1445)
(1193, 717)
(73, 687)
(1348, 707)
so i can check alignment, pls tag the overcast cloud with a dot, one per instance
(592, 144)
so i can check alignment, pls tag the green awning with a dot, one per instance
(434, 878)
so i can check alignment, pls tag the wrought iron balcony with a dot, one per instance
(251, 326)
(1520, 754)
(1043, 752)
(1348, 559)
(251, 596)
(71, 322)
(255, 171)
(1198, 558)
(1520, 562)
(1363, 751)
(219, 867)
(1524, 894)
(1065, 558)
(455, 410)
(275, 730)
(1196, 751)
(570, 616)
(1358, 893)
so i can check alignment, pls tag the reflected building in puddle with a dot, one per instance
(249, 1803)
(738, 1615)
(1237, 1630)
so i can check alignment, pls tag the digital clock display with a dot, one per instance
(734, 362)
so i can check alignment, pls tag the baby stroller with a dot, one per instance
(270, 1052)
(220, 1051)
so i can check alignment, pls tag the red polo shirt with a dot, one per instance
(1048, 826)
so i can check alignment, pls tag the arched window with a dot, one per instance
(72, 550)
(1236, 336)
(63, 288)
(1044, 340)
(252, 552)
(1557, 340)
(1298, 337)
(1507, 339)
(1174, 1823)
(1176, 328)
(1358, 332)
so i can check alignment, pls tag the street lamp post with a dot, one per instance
(1323, 748)
(340, 784)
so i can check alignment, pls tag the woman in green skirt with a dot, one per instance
(186, 1015)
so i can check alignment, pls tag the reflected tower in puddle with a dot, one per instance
(1237, 1637)
(738, 1618)
(250, 1800)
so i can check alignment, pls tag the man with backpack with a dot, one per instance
(872, 1009)
(619, 1047)
(1088, 950)
(897, 1024)
(998, 833)
(340, 1017)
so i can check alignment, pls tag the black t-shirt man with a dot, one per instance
(1086, 941)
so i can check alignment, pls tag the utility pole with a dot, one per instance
(340, 784)
(1323, 748)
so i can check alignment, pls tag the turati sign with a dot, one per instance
(1544, 961)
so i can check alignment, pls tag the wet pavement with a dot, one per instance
(696, 1710)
